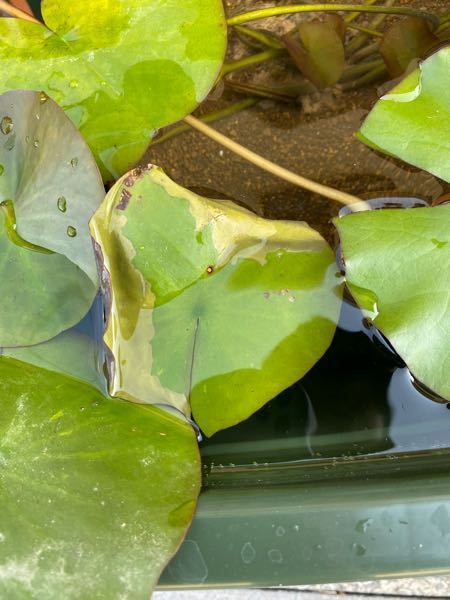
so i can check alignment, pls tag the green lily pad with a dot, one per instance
(49, 188)
(120, 68)
(96, 493)
(210, 303)
(413, 120)
(397, 265)
(70, 353)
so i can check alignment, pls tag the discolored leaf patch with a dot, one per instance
(210, 305)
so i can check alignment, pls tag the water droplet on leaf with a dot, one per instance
(71, 231)
(74, 161)
(73, 83)
(62, 205)
(43, 97)
(6, 125)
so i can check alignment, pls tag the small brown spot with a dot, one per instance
(124, 199)
(210, 269)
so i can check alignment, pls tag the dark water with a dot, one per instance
(358, 399)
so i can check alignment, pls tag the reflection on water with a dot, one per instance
(359, 399)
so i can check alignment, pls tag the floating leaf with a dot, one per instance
(413, 120)
(96, 493)
(71, 353)
(49, 183)
(209, 302)
(120, 68)
(405, 41)
(397, 265)
(320, 56)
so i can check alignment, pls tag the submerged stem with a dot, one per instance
(208, 118)
(352, 16)
(273, 11)
(365, 30)
(267, 165)
(259, 36)
(16, 12)
(248, 61)
(357, 42)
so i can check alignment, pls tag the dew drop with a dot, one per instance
(6, 125)
(248, 553)
(71, 231)
(2, 169)
(359, 549)
(74, 162)
(275, 556)
(27, 139)
(43, 97)
(62, 206)
(36, 143)
(73, 84)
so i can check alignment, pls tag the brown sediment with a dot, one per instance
(314, 138)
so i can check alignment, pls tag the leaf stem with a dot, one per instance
(273, 11)
(352, 16)
(259, 36)
(366, 30)
(248, 61)
(267, 165)
(208, 118)
(353, 71)
(16, 12)
(357, 42)
(369, 77)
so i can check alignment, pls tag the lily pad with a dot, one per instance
(49, 188)
(96, 493)
(413, 120)
(71, 353)
(320, 54)
(120, 68)
(397, 265)
(405, 41)
(210, 303)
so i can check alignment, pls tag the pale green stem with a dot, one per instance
(360, 69)
(277, 170)
(248, 61)
(259, 36)
(366, 30)
(365, 52)
(357, 42)
(273, 11)
(369, 77)
(208, 118)
(352, 16)
(13, 11)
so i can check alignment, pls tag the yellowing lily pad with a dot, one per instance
(209, 304)
(120, 68)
